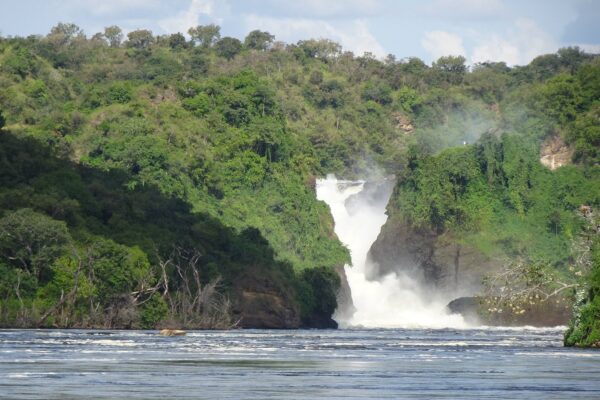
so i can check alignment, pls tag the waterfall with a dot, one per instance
(394, 300)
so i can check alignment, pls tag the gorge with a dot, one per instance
(391, 300)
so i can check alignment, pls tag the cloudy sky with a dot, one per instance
(514, 31)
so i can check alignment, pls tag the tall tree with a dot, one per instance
(453, 68)
(228, 47)
(258, 40)
(205, 35)
(63, 34)
(114, 35)
(177, 41)
(140, 39)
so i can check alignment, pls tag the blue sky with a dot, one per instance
(481, 30)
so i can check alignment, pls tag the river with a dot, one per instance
(490, 363)
(377, 363)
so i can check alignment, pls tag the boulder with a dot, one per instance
(467, 307)
(172, 332)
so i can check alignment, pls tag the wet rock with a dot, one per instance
(172, 332)
(468, 307)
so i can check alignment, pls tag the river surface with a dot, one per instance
(304, 364)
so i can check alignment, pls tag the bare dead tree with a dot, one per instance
(196, 305)
(521, 285)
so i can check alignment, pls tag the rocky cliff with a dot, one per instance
(439, 261)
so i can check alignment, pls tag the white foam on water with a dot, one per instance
(391, 301)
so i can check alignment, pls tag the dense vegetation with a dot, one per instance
(584, 329)
(138, 173)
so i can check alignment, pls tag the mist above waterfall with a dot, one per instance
(393, 300)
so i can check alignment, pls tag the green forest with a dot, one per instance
(151, 181)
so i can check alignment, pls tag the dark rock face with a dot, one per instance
(553, 312)
(267, 303)
(320, 321)
(468, 307)
(402, 248)
(440, 262)
(345, 307)
(260, 303)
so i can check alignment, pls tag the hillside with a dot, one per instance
(161, 180)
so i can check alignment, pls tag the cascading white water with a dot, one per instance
(393, 300)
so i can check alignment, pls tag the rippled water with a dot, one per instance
(304, 364)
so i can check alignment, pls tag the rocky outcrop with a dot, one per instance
(552, 312)
(171, 332)
(403, 123)
(451, 267)
(555, 153)
(468, 307)
(262, 303)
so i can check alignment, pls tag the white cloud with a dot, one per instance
(111, 8)
(188, 18)
(466, 9)
(325, 9)
(496, 49)
(440, 43)
(352, 35)
(524, 41)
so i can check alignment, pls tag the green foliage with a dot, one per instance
(323, 49)
(19, 61)
(584, 329)
(153, 312)
(32, 241)
(445, 192)
(140, 39)
(114, 35)
(496, 196)
(258, 40)
(408, 99)
(452, 69)
(560, 98)
(328, 93)
(119, 93)
(228, 47)
(205, 35)
(319, 288)
(177, 41)
(377, 91)
(585, 136)
(199, 104)
(117, 268)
